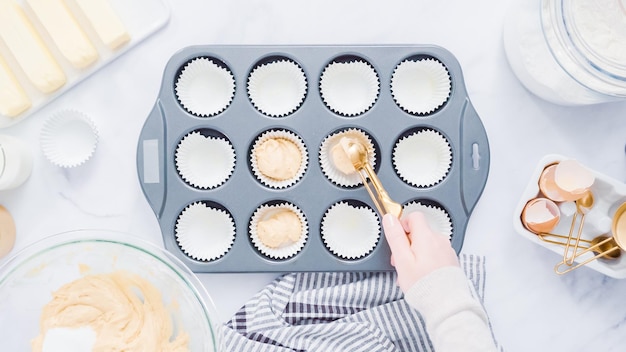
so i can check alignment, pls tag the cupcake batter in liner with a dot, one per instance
(290, 246)
(205, 88)
(204, 232)
(423, 158)
(437, 218)
(278, 147)
(331, 151)
(277, 88)
(349, 231)
(420, 87)
(349, 88)
(204, 162)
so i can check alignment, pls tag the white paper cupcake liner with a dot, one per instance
(204, 162)
(68, 138)
(205, 88)
(350, 232)
(277, 88)
(204, 233)
(327, 164)
(284, 251)
(422, 159)
(437, 218)
(349, 88)
(285, 135)
(420, 87)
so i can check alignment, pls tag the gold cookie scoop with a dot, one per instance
(357, 153)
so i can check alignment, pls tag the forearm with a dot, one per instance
(455, 320)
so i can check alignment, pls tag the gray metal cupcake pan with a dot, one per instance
(241, 123)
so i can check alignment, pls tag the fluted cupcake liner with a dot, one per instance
(332, 157)
(420, 86)
(349, 88)
(289, 246)
(437, 218)
(277, 88)
(422, 159)
(205, 88)
(279, 146)
(203, 232)
(68, 138)
(204, 162)
(350, 232)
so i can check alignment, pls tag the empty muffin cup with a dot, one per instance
(277, 88)
(422, 158)
(420, 86)
(204, 162)
(350, 230)
(278, 158)
(349, 88)
(278, 231)
(334, 161)
(438, 219)
(68, 138)
(205, 87)
(205, 232)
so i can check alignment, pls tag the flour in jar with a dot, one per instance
(598, 30)
(601, 25)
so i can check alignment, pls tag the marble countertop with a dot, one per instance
(531, 308)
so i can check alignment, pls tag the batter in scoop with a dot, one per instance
(125, 311)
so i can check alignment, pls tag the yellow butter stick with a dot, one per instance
(13, 99)
(28, 48)
(105, 22)
(65, 31)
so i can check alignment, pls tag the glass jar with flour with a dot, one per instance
(569, 52)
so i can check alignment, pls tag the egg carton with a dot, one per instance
(608, 193)
(241, 122)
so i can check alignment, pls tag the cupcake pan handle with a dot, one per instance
(475, 157)
(151, 158)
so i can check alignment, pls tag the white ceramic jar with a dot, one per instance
(16, 162)
(569, 52)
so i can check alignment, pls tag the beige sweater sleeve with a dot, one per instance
(455, 320)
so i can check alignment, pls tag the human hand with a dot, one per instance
(416, 250)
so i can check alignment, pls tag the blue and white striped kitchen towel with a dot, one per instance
(336, 311)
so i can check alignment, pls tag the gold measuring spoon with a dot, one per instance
(561, 240)
(604, 246)
(357, 153)
(583, 205)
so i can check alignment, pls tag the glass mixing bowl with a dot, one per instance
(28, 279)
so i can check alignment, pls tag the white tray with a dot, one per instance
(142, 18)
(608, 194)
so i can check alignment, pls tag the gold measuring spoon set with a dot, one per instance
(568, 181)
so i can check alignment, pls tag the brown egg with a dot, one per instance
(540, 215)
(565, 181)
(547, 185)
(573, 179)
(7, 232)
